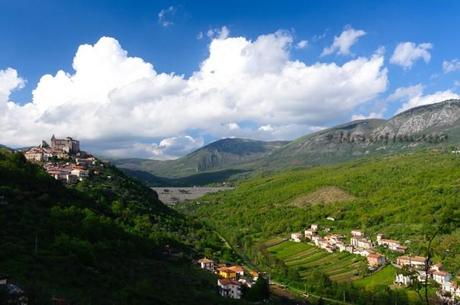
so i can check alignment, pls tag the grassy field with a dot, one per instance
(339, 267)
(384, 277)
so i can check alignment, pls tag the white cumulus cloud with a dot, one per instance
(344, 42)
(110, 95)
(413, 96)
(407, 53)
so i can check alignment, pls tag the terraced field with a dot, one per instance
(340, 267)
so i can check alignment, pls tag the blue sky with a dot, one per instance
(42, 37)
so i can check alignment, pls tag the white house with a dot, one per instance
(314, 227)
(442, 277)
(411, 261)
(402, 279)
(309, 233)
(207, 264)
(229, 288)
(296, 237)
(80, 172)
(357, 233)
(392, 244)
(360, 242)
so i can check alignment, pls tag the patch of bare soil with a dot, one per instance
(324, 195)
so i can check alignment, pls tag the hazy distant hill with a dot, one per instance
(215, 158)
(435, 125)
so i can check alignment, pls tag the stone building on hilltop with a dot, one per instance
(67, 145)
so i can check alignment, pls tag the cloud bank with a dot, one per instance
(110, 96)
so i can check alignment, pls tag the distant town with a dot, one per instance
(63, 160)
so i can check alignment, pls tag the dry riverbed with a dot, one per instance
(173, 195)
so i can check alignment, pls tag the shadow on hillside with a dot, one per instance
(192, 180)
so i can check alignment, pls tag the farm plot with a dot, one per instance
(339, 267)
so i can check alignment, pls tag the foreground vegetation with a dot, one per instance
(411, 197)
(107, 240)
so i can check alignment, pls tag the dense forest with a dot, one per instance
(106, 240)
(409, 197)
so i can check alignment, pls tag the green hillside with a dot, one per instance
(407, 197)
(108, 240)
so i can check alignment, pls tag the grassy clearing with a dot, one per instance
(339, 267)
(384, 277)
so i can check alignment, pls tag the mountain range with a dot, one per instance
(428, 126)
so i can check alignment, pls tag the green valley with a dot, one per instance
(410, 197)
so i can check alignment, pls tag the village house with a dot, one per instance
(309, 233)
(375, 259)
(207, 264)
(239, 270)
(441, 277)
(226, 273)
(361, 242)
(362, 252)
(35, 154)
(229, 288)
(80, 172)
(296, 237)
(314, 227)
(390, 243)
(334, 238)
(411, 261)
(404, 280)
(357, 233)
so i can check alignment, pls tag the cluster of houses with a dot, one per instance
(15, 295)
(359, 244)
(412, 267)
(63, 159)
(231, 278)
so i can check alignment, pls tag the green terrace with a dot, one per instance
(339, 267)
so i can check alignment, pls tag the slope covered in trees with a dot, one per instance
(107, 240)
(408, 197)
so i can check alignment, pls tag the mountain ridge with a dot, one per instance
(428, 126)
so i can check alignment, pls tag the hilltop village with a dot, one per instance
(411, 269)
(63, 160)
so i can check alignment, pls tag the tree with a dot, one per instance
(260, 291)
(443, 224)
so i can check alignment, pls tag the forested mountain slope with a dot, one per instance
(107, 240)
